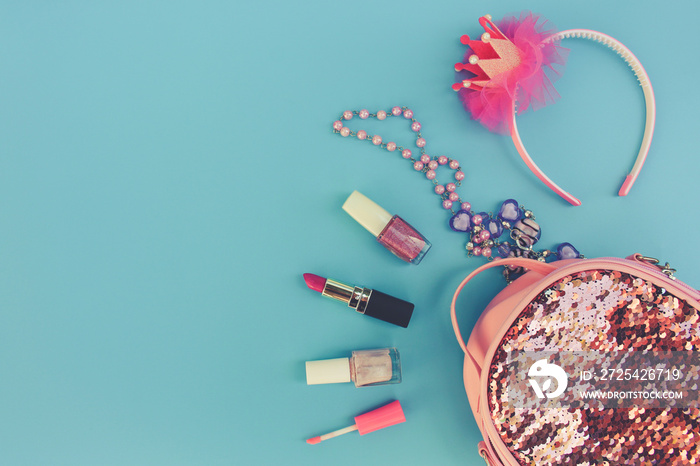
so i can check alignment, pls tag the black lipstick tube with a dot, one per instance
(370, 302)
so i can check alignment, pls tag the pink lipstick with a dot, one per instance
(366, 301)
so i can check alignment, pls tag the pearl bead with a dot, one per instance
(362, 134)
(459, 176)
(391, 146)
(454, 197)
(486, 252)
(406, 154)
(364, 114)
(442, 160)
(425, 158)
(477, 219)
(476, 251)
(408, 114)
(432, 164)
(439, 189)
(418, 166)
(381, 115)
(447, 204)
(396, 111)
(415, 126)
(344, 131)
(420, 142)
(337, 125)
(451, 187)
(430, 174)
(466, 206)
(347, 115)
(473, 59)
(485, 235)
(454, 164)
(376, 140)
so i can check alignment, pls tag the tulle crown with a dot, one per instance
(513, 61)
(513, 66)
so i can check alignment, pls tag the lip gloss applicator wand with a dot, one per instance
(366, 301)
(387, 415)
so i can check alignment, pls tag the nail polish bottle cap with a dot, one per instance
(367, 213)
(328, 371)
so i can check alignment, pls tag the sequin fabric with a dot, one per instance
(598, 310)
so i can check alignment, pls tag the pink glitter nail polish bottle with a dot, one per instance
(393, 232)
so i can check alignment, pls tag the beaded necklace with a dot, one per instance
(484, 230)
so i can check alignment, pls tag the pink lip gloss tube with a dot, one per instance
(393, 232)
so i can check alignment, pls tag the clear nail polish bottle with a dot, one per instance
(365, 367)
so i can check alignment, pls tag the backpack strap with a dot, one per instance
(486, 450)
(530, 264)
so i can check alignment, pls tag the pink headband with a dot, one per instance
(514, 65)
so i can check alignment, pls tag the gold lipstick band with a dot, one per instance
(354, 296)
(360, 299)
(338, 291)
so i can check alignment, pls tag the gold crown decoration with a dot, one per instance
(511, 62)
(493, 55)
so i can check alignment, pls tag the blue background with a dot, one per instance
(168, 172)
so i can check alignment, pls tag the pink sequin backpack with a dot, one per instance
(585, 361)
